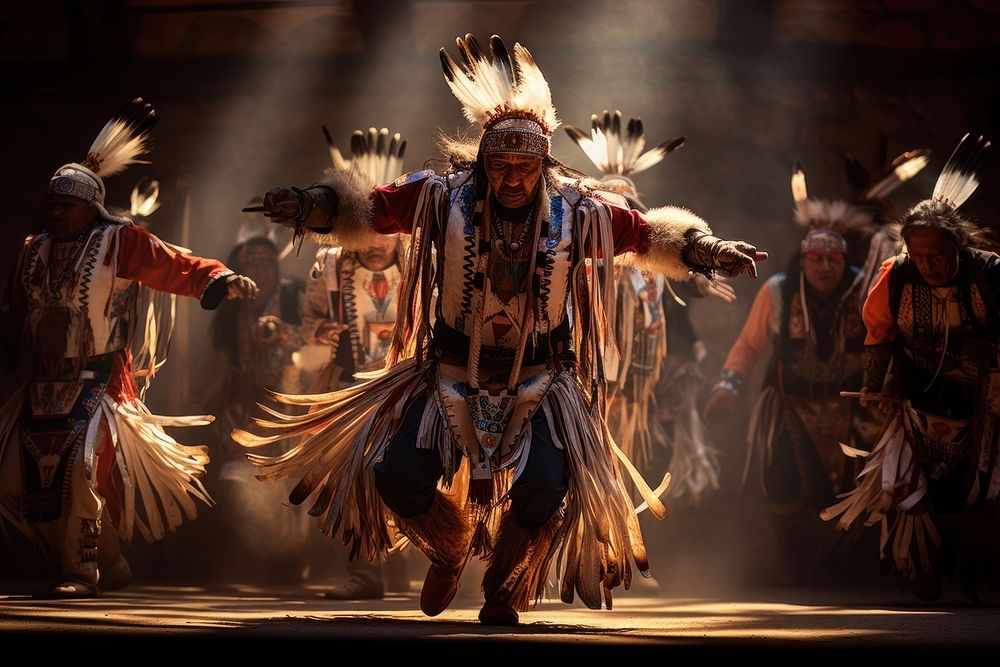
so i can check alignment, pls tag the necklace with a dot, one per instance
(502, 243)
(508, 264)
(62, 261)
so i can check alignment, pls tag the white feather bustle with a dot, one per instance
(619, 153)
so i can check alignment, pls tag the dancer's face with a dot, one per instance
(381, 252)
(68, 216)
(513, 178)
(823, 271)
(934, 254)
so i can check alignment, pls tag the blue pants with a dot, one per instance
(407, 477)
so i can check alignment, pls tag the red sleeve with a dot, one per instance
(876, 312)
(629, 229)
(631, 232)
(753, 338)
(148, 260)
(395, 205)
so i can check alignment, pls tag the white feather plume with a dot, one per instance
(123, 139)
(532, 93)
(615, 152)
(961, 174)
(143, 201)
(376, 154)
(490, 82)
(800, 193)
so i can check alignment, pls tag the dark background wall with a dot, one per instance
(242, 88)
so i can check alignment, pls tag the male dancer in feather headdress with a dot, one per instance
(498, 394)
(351, 302)
(75, 440)
(810, 319)
(643, 298)
(931, 363)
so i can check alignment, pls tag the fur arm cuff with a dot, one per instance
(669, 230)
(350, 225)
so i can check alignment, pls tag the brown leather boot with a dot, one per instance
(444, 535)
(440, 586)
(79, 560)
(495, 612)
(517, 570)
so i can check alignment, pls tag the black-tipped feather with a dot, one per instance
(576, 134)
(475, 50)
(139, 115)
(357, 142)
(634, 130)
(502, 57)
(383, 138)
(672, 145)
(447, 64)
(961, 174)
(615, 152)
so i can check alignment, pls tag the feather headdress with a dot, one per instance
(615, 153)
(958, 180)
(961, 174)
(376, 154)
(144, 199)
(122, 141)
(838, 216)
(506, 94)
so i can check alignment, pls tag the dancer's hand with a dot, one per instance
(721, 400)
(735, 258)
(328, 333)
(866, 396)
(241, 287)
(884, 402)
(717, 288)
(283, 205)
(731, 257)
